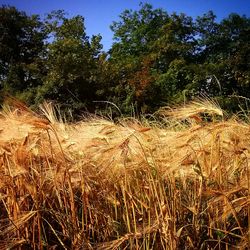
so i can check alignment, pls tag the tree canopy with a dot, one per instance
(156, 59)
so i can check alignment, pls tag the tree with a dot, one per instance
(71, 63)
(21, 50)
(156, 59)
(225, 53)
(133, 35)
(147, 42)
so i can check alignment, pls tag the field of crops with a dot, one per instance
(182, 183)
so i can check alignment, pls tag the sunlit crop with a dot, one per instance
(179, 183)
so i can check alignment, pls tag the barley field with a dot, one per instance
(179, 183)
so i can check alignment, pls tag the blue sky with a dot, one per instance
(99, 14)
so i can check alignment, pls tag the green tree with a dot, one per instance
(224, 53)
(21, 50)
(72, 63)
(130, 54)
(147, 44)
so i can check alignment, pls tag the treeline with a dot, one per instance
(156, 59)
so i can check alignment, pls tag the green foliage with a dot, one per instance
(137, 30)
(150, 44)
(156, 59)
(68, 62)
(72, 63)
(21, 50)
(184, 58)
(226, 47)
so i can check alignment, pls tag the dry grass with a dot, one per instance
(101, 185)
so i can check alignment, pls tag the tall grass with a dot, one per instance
(127, 185)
